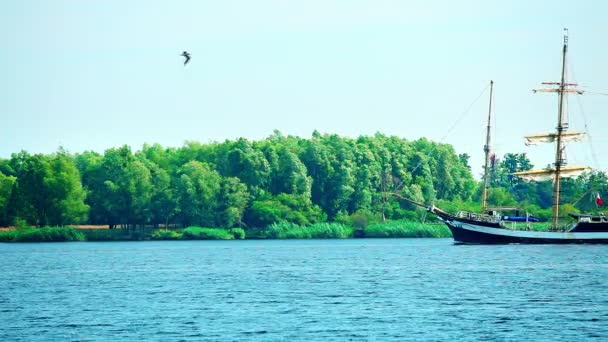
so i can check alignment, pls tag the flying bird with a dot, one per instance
(187, 55)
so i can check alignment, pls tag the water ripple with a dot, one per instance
(324, 290)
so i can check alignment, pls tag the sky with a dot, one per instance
(92, 75)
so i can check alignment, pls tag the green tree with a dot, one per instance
(240, 159)
(233, 201)
(290, 175)
(66, 202)
(48, 189)
(31, 201)
(163, 201)
(283, 208)
(197, 189)
(123, 188)
(317, 159)
(90, 167)
(6, 189)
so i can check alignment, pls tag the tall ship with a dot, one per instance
(491, 227)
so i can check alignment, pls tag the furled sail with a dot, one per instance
(548, 174)
(536, 139)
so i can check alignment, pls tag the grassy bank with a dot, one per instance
(111, 234)
(315, 231)
(45, 234)
(190, 233)
(406, 229)
(198, 233)
(392, 229)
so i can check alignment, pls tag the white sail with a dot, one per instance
(548, 174)
(536, 139)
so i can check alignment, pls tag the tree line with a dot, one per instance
(242, 183)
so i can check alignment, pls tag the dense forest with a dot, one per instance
(240, 183)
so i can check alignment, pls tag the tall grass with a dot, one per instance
(315, 231)
(120, 234)
(406, 229)
(44, 234)
(7, 235)
(199, 233)
(163, 234)
(106, 234)
(391, 229)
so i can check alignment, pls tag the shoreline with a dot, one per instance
(281, 231)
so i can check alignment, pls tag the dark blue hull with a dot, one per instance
(468, 236)
(489, 230)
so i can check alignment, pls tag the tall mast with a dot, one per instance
(486, 149)
(560, 137)
(561, 128)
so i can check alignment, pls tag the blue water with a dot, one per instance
(400, 289)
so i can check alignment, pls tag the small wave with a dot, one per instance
(257, 332)
(40, 318)
(162, 332)
(501, 320)
(100, 325)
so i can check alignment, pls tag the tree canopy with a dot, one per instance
(242, 183)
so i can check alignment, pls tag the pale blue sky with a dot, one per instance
(90, 75)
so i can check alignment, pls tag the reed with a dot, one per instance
(406, 229)
(44, 234)
(7, 235)
(106, 234)
(162, 234)
(200, 233)
(315, 231)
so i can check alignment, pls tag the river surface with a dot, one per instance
(321, 290)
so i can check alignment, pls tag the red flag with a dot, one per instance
(598, 200)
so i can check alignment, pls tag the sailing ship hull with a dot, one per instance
(468, 232)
